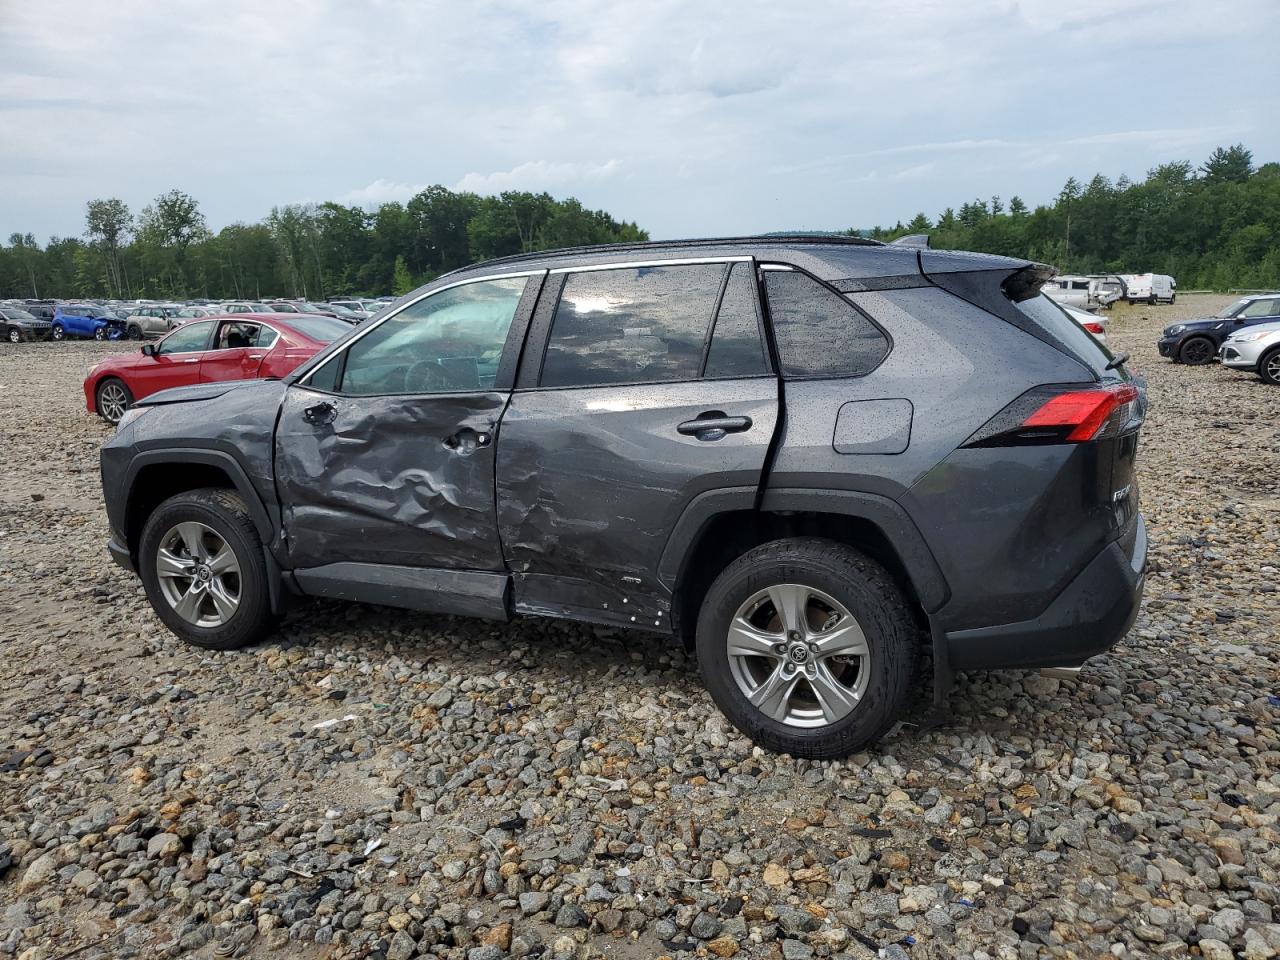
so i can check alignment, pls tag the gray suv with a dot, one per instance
(811, 459)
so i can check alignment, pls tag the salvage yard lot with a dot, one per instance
(541, 784)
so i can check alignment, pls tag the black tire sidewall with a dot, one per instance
(1195, 363)
(1262, 366)
(250, 619)
(884, 620)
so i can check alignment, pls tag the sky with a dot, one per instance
(690, 118)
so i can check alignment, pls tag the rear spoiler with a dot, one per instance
(1026, 283)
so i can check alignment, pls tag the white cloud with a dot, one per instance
(381, 191)
(536, 175)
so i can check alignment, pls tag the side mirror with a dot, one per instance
(149, 349)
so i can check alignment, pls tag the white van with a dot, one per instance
(1068, 291)
(1151, 287)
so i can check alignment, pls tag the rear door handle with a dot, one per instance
(255, 356)
(713, 427)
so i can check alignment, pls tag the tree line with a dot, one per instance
(1215, 226)
(316, 251)
(1212, 227)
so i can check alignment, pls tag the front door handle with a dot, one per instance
(466, 440)
(192, 360)
(713, 426)
(322, 412)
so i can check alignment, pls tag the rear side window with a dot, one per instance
(737, 347)
(631, 325)
(819, 332)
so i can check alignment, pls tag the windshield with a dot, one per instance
(1231, 310)
(321, 329)
(18, 315)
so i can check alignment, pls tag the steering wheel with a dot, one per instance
(425, 376)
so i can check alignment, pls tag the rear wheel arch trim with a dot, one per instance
(889, 517)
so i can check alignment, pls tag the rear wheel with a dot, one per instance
(202, 565)
(14, 335)
(135, 332)
(58, 332)
(1269, 367)
(113, 399)
(807, 646)
(1196, 351)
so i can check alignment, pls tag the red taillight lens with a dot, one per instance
(1063, 413)
(1083, 411)
(1094, 328)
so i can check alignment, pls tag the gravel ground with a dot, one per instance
(387, 784)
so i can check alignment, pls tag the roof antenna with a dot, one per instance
(916, 241)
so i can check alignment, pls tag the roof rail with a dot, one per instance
(771, 238)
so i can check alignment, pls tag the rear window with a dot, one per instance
(320, 329)
(1071, 334)
(819, 332)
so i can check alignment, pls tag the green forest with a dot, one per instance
(1215, 227)
(316, 251)
(1212, 226)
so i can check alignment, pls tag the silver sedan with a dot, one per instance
(1255, 348)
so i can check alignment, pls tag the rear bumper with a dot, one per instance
(1089, 617)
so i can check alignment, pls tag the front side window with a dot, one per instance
(187, 338)
(1259, 308)
(448, 342)
(819, 332)
(631, 325)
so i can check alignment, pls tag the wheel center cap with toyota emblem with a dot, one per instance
(203, 573)
(798, 653)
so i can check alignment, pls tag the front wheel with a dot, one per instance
(58, 332)
(100, 333)
(14, 335)
(808, 647)
(113, 400)
(202, 565)
(1196, 351)
(1269, 367)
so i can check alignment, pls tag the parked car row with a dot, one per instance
(1244, 335)
(1101, 291)
(115, 320)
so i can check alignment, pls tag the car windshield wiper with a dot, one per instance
(1118, 360)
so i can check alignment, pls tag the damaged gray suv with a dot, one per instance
(812, 459)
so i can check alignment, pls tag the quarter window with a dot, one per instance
(819, 333)
(448, 342)
(631, 325)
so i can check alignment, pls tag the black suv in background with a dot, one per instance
(809, 457)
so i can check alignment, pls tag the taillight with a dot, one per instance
(1061, 414)
(1094, 328)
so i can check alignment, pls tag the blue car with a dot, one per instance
(86, 320)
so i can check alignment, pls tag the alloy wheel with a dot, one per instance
(15, 335)
(113, 402)
(199, 574)
(1273, 367)
(1197, 351)
(798, 655)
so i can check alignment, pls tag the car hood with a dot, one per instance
(198, 391)
(1272, 327)
(1206, 323)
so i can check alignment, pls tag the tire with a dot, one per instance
(1173, 300)
(100, 333)
(875, 680)
(1196, 351)
(13, 335)
(1269, 367)
(135, 332)
(58, 332)
(215, 516)
(112, 398)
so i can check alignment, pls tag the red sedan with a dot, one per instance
(240, 347)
